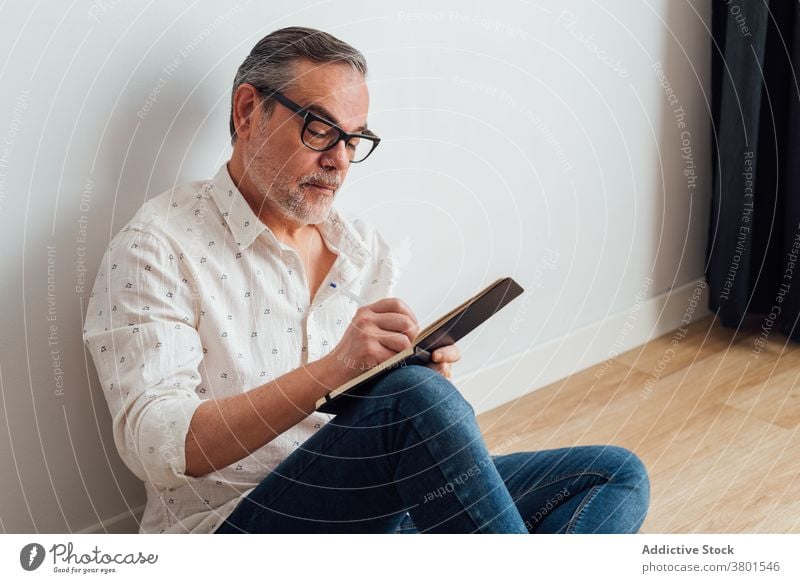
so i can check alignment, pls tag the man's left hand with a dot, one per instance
(442, 359)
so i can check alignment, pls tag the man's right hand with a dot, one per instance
(377, 332)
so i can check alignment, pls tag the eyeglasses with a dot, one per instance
(320, 134)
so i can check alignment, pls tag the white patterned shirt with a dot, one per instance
(197, 299)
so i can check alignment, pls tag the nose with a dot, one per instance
(336, 158)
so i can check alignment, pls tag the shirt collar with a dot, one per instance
(245, 226)
(242, 222)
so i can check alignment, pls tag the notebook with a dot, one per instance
(448, 329)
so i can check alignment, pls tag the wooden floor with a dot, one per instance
(713, 416)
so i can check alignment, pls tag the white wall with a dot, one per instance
(530, 139)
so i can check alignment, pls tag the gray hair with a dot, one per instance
(271, 62)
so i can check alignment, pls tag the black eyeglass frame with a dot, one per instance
(309, 117)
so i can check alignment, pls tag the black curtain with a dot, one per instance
(753, 254)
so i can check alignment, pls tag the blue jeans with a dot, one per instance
(408, 456)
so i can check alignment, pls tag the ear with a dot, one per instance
(246, 110)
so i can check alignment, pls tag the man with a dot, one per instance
(217, 321)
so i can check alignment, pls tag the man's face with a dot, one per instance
(296, 181)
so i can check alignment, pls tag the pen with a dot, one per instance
(357, 299)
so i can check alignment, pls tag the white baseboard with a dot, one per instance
(125, 523)
(582, 348)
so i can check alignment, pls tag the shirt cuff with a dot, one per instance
(162, 440)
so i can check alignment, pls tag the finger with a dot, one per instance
(395, 341)
(394, 322)
(393, 305)
(449, 353)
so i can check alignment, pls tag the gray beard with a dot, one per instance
(294, 205)
(290, 202)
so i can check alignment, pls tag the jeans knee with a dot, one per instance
(420, 391)
(629, 471)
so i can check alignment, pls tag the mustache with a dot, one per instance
(331, 181)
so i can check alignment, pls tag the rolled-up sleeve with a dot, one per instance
(141, 331)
